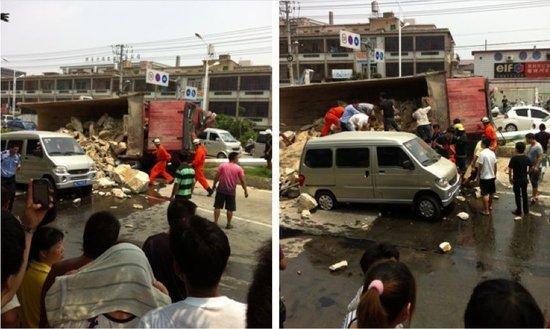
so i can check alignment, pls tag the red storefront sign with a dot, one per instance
(537, 69)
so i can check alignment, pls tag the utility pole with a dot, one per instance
(287, 8)
(120, 53)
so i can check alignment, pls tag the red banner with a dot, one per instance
(537, 69)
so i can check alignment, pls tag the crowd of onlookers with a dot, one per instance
(387, 299)
(171, 282)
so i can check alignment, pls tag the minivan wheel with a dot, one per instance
(427, 207)
(221, 156)
(326, 200)
(511, 127)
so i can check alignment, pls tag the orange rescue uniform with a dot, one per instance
(332, 118)
(491, 133)
(159, 169)
(198, 165)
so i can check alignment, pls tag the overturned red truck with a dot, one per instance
(175, 122)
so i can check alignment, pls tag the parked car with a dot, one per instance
(6, 118)
(523, 118)
(259, 145)
(219, 143)
(20, 125)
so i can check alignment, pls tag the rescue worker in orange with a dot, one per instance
(490, 133)
(332, 117)
(159, 169)
(198, 165)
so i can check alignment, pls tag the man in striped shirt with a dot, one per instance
(185, 178)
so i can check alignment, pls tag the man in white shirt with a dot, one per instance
(359, 122)
(201, 250)
(423, 125)
(487, 168)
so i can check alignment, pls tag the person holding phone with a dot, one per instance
(11, 163)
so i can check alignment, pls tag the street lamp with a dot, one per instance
(209, 52)
(399, 37)
(14, 89)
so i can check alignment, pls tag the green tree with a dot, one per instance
(240, 128)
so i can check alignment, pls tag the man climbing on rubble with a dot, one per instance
(159, 169)
(198, 165)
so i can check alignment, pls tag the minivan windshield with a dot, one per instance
(62, 146)
(422, 152)
(227, 137)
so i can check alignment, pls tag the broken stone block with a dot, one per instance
(126, 190)
(445, 247)
(106, 182)
(118, 193)
(306, 201)
(339, 265)
(463, 215)
(137, 181)
(305, 214)
(120, 148)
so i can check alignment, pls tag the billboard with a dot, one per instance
(350, 40)
(522, 70)
(157, 77)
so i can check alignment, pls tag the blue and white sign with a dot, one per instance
(157, 77)
(350, 40)
(379, 55)
(342, 74)
(190, 93)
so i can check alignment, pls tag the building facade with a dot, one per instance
(316, 46)
(522, 75)
(235, 89)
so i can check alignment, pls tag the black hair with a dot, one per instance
(13, 144)
(43, 239)
(380, 310)
(178, 210)
(520, 147)
(383, 95)
(376, 252)
(259, 310)
(13, 245)
(435, 125)
(451, 130)
(485, 142)
(456, 120)
(542, 126)
(184, 156)
(100, 233)
(232, 156)
(502, 303)
(201, 251)
(530, 136)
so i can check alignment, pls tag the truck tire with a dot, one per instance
(427, 207)
(511, 127)
(325, 200)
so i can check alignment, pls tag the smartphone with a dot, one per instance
(41, 191)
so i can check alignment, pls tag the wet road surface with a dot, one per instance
(482, 247)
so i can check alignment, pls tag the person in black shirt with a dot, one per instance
(388, 111)
(460, 148)
(445, 144)
(519, 166)
(543, 137)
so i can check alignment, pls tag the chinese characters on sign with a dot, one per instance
(522, 70)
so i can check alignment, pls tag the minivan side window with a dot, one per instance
(318, 158)
(32, 146)
(213, 136)
(391, 156)
(353, 158)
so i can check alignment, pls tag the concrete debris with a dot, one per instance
(463, 215)
(461, 198)
(339, 265)
(129, 225)
(517, 218)
(137, 181)
(101, 193)
(306, 202)
(536, 214)
(299, 272)
(477, 192)
(305, 214)
(137, 206)
(118, 193)
(77, 200)
(106, 182)
(126, 190)
(445, 247)
(496, 197)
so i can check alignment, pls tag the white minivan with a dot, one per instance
(219, 143)
(378, 167)
(54, 156)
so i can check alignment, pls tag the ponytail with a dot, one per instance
(371, 312)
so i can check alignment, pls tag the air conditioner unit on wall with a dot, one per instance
(510, 58)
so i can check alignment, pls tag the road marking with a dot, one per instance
(237, 217)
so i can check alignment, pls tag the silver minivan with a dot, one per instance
(219, 143)
(54, 156)
(378, 167)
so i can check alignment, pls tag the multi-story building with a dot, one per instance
(316, 46)
(523, 75)
(235, 89)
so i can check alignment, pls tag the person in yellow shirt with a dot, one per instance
(46, 249)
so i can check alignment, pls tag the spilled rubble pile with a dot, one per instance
(103, 141)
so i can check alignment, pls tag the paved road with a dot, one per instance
(483, 247)
(252, 226)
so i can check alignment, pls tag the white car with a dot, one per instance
(521, 118)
